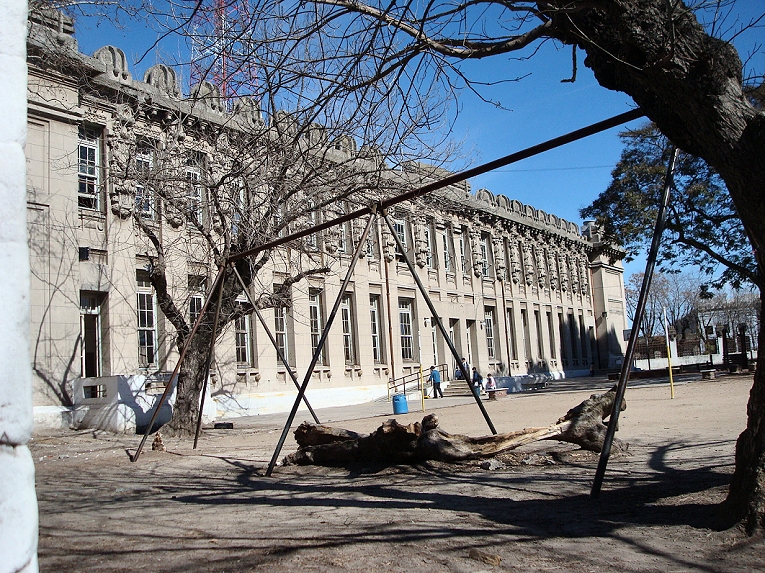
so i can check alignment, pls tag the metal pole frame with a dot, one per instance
(448, 340)
(208, 360)
(320, 346)
(177, 368)
(642, 299)
(423, 190)
(279, 353)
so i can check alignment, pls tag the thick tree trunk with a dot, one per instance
(191, 378)
(746, 498)
(395, 443)
(690, 85)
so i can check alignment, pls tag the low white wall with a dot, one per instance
(127, 404)
(258, 403)
(656, 363)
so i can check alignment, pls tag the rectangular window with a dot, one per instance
(582, 340)
(197, 290)
(344, 243)
(346, 318)
(488, 317)
(147, 324)
(195, 307)
(511, 334)
(88, 168)
(434, 341)
(463, 260)
(405, 322)
(316, 320)
(312, 219)
(551, 334)
(526, 336)
(374, 315)
(239, 204)
(90, 333)
(280, 331)
(144, 197)
(575, 346)
(540, 342)
(484, 257)
(447, 252)
(193, 176)
(430, 241)
(242, 335)
(373, 245)
(562, 339)
(400, 227)
(470, 332)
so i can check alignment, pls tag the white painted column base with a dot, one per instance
(18, 511)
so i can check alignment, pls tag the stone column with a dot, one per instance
(18, 502)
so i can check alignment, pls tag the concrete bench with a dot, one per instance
(707, 374)
(497, 393)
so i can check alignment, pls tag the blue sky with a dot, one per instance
(537, 107)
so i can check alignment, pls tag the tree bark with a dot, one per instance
(191, 379)
(746, 497)
(690, 85)
(395, 443)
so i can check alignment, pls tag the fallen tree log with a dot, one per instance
(584, 425)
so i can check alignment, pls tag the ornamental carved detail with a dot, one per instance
(563, 265)
(552, 264)
(515, 264)
(388, 244)
(420, 243)
(121, 142)
(541, 267)
(174, 216)
(584, 274)
(528, 263)
(498, 249)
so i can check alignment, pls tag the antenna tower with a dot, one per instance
(215, 30)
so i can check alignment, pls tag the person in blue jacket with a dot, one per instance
(435, 379)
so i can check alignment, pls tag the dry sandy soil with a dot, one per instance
(213, 510)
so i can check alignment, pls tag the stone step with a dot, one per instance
(457, 388)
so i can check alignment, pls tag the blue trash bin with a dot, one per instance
(399, 404)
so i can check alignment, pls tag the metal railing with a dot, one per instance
(416, 381)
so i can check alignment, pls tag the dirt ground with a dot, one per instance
(213, 510)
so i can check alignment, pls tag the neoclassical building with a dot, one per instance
(520, 291)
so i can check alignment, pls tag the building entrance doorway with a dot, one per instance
(90, 334)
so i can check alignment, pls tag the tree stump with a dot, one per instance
(421, 441)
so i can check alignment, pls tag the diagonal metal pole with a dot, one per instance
(320, 346)
(438, 321)
(279, 353)
(625, 372)
(177, 368)
(208, 360)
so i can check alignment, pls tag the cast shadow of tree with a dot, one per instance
(662, 495)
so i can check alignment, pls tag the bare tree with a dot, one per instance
(207, 178)
(688, 82)
(653, 316)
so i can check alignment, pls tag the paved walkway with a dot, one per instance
(382, 407)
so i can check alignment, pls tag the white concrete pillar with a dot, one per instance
(18, 503)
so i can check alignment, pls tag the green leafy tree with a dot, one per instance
(703, 228)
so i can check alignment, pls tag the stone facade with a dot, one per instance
(521, 291)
